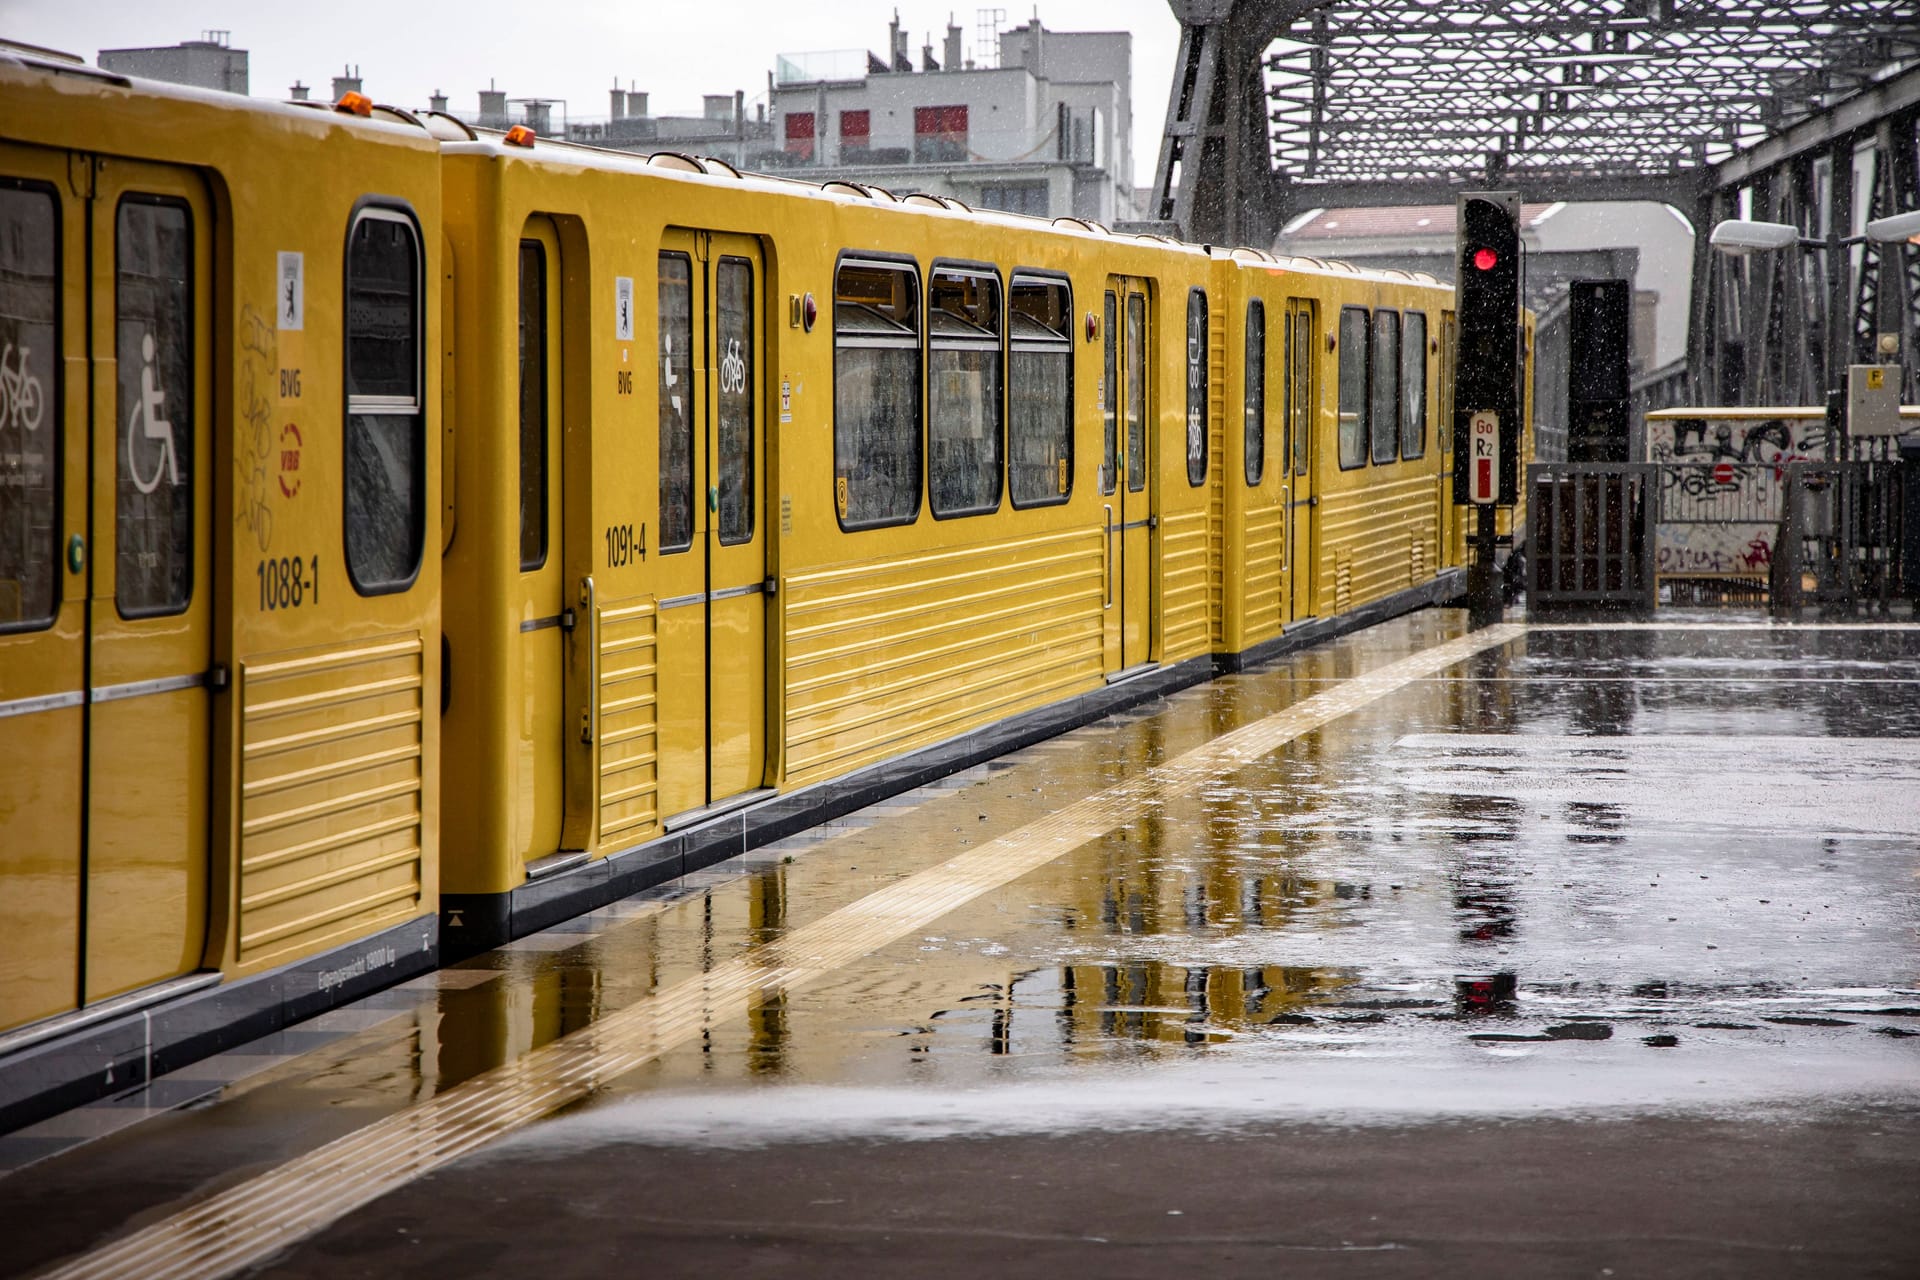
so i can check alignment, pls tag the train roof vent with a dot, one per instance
(449, 128)
(400, 115)
(1424, 278)
(675, 160)
(58, 62)
(883, 195)
(925, 201)
(841, 187)
(715, 165)
(1083, 224)
(1246, 253)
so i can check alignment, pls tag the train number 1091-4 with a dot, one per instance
(289, 582)
(623, 547)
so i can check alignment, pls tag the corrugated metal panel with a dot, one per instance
(1371, 529)
(629, 729)
(886, 656)
(1185, 588)
(1260, 575)
(330, 784)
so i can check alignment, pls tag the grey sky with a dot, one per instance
(570, 49)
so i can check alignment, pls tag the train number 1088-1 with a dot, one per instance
(289, 582)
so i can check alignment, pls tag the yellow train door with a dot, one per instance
(1127, 473)
(712, 548)
(43, 650)
(151, 598)
(543, 745)
(1302, 400)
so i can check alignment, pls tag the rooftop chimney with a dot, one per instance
(493, 107)
(347, 83)
(636, 103)
(953, 51)
(437, 102)
(926, 56)
(298, 93)
(617, 103)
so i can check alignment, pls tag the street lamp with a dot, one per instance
(1739, 237)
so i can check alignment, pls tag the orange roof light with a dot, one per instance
(520, 136)
(354, 104)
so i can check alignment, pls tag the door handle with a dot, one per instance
(76, 553)
(1286, 527)
(1106, 557)
(590, 709)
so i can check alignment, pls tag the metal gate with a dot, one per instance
(1590, 534)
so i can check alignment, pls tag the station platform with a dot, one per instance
(1545, 948)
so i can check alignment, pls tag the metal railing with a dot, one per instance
(1590, 534)
(1841, 537)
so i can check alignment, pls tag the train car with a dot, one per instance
(218, 609)
(767, 495)
(760, 486)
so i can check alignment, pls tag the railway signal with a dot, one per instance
(1487, 354)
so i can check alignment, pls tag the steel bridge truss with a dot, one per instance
(1782, 110)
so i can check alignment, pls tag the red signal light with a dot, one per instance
(1485, 259)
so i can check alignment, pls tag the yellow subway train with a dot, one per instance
(410, 536)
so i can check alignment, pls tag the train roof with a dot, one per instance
(455, 138)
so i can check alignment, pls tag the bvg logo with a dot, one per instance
(289, 460)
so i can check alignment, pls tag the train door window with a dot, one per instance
(876, 393)
(153, 348)
(533, 405)
(1040, 391)
(963, 392)
(1448, 337)
(733, 285)
(1383, 400)
(1353, 387)
(1110, 396)
(676, 402)
(1299, 385)
(30, 423)
(1413, 383)
(1197, 387)
(1256, 386)
(385, 454)
(1136, 392)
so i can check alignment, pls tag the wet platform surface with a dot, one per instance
(1538, 950)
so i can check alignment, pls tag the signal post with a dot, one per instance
(1486, 425)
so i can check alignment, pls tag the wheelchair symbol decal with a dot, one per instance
(148, 419)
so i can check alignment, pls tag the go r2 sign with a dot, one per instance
(1483, 439)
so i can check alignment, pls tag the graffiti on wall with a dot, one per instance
(1720, 501)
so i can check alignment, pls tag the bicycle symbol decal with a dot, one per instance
(733, 369)
(19, 392)
(147, 420)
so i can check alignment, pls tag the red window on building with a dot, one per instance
(855, 135)
(799, 125)
(939, 134)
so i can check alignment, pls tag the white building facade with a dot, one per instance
(1047, 132)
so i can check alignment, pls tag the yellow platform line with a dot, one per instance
(241, 1226)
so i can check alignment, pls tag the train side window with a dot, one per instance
(876, 393)
(733, 280)
(153, 348)
(31, 429)
(1136, 392)
(676, 402)
(385, 453)
(1353, 387)
(1300, 388)
(1413, 381)
(1256, 385)
(1197, 387)
(533, 404)
(1383, 407)
(963, 392)
(1040, 391)
(1110, 396)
